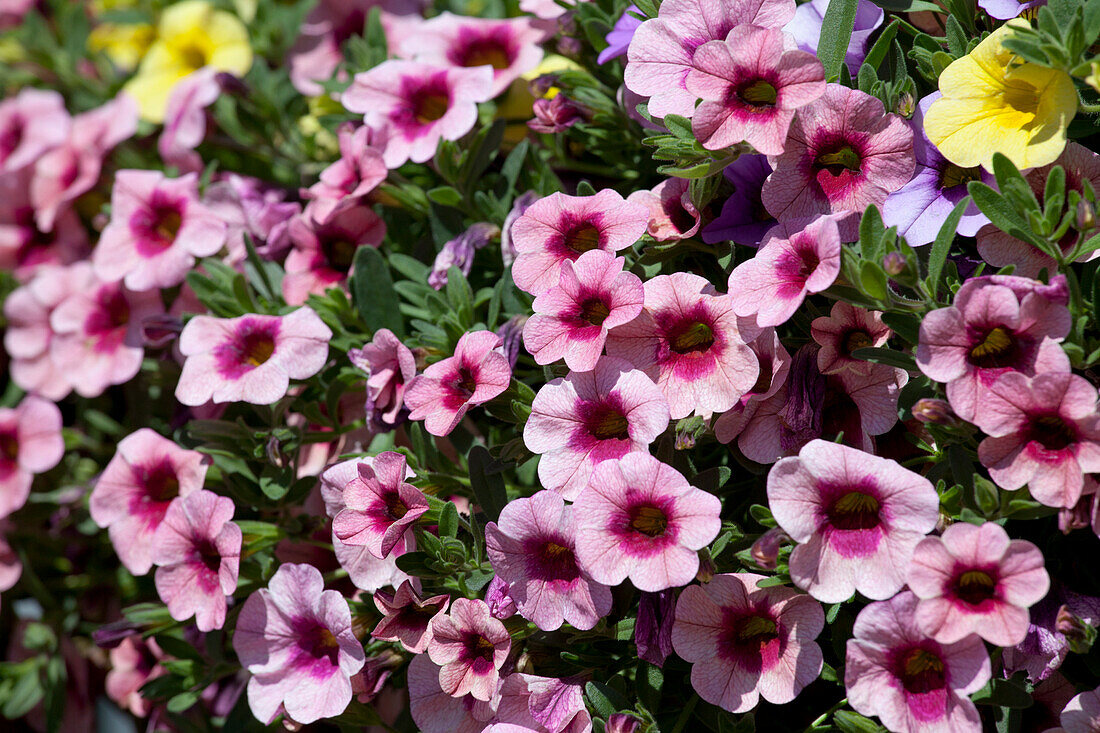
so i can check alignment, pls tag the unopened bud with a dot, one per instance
(108, 636)
(1077, 516)
(1079, 633)
(936, 412)
(501, 605)
(905, 105)
(622, 723)
(1086, 216)
(569, 46)
(688, 431)
(894, 263)
(706, 567)
(765, 551)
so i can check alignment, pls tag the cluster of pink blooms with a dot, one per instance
(629, 359)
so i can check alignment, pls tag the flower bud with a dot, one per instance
(1086, 216)
(905, 105)
(895, 264)
(568, 46)
(501, 605)
(706, 567)
(622, 723)
(1079, 633)
(765, 551)
(1078, 516)
(688, 431)
(936, 412)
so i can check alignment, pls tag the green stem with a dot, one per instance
(825, 715)
(682, 721)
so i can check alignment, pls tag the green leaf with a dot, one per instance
(446, 195)
(956, 36)
(882, 44)
(836, 33)
(1011, 693)
(851, 722)
(946, 235)
(373, 293)
(183, 701)
(873, 279)
(679, 126)
(487, 485)
(448, 520)
(886, 356)
(24, 695)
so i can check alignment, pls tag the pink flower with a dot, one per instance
(418, 105)
(1081, 714)
(672, 214)
(406, 617)
(912, 683)
(248, 205)
(745, 642)
(435, 711)
(24, 248)
(185, 119)
(843, 153)
(390, 366)
(73, 167)
(470, 646)
(133, 493)
(639, 518)
(31, 123)
(588, 417)
(661, 54)
(541, 704)
(30, 443)
(323, 251)
(448, 388)
(572, 318)
(1044, 431)
(198, 550)
(688, 340)
(844, 330)
(796, 259)
(991, 330)
(379, 505)
(560, 228)
(358, 172)
(297, 641)
(510, 46)
(28, 335)
(751, 83)
(251, 358)
(856, 518)
(158, 227)
(532, 550)
(545, 9)
(98, 337)
(134, 662)
(775, 364)
(974, 580)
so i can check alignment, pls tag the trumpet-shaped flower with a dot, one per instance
(198, 550)
(358, 172)
(775, 364)
(975, 580)
(322, 251)
(447, 389)
(1044, 431)
(30, 443)
(296, 639)
(993, 102)
(532, 550)
(660, 56)
(572, 319)
(390, 366)
(435, 711)
(844, 330)
(855, 516)
(743, 218)
(379, 505)
(407, 616)
(911, 682)
(415, 105)
(1081, 714)
(751, 83)
(560, 227)
(31, 123)
(185, 119)
(689, 340)
(585, 418)
(190, 35)
(471, 646)
(639, 518)
(746, 642)
(251, 358)
(672, 215)
(134, 492)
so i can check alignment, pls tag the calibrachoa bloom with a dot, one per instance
(746, 642)
(775, 363)
(672, 215)
(251, 358)
(470, 645)
(661, 54)
(796, 259)
(185, 119)
(132, 495)
(640, 519)
(743, 218)
(97, 339)
(390, 366)
(358, 171)
(134, 662)
(31, 123)
(994, 102)
(588, 417)
(379, 505)
(572, 319)
(843, 153)
(30, 443)
(855, 516)
(198, 551)
(1044, 431)
(690, 341)
(531, 547)
(322, 251)
(532, 703)
(618, 39)
(909, 681)
(435, 711)
(975, 580)
(991, 330)
(416, 105)
(407, 617)
(296, 639)
(560, 228)
(448, 388)
(158, 227)
(1081, 714)
(751, 84)
(844, 330)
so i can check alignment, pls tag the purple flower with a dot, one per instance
(618, 39)
(744, 218)
(1006, 9)
(806, 28)
(653, 628)
(459, 252)
(919, 208)
(556, 115)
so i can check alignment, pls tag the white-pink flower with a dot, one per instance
(379, 506)
(251, 358)
(31, 123)
(470, 646)
(185, 119)
(30, 443)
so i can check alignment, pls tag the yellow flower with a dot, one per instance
(191, 34)
(124, 43)
(994, 102)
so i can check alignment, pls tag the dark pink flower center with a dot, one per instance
(757, 94)
(160, 481)
(856, 339)
(582, 237)
(648, 519)
(682, 219)
(483, 49)
(691, 337)
(477, 651)
(465, 381)
(429, 106)
(339, 252)
(9, 445)
(794, 267)
(1051, 432)
(107, 323)
(396, 508)
(996, 348)
(595, 311)
(921, 671)
(974, 586)
(252, 344)
(552, 559)
(318, 648)
(752, 639)
(838, 159)
(855, 510)
(11, 137)
(606, 422)
(155, 227)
